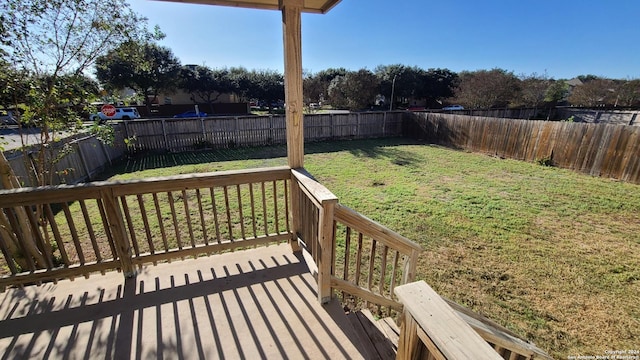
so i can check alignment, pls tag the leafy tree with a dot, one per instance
(355, 90)
(438, 84)
(556, 92)
(408, 81)
(485, 89)
(266, 85)
(142, 66)
(241, 79)
(52, 44)
(594, 92)
(587, 78)
(205, 84)
(315, 86)
(14, 85)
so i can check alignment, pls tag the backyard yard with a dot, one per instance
(549, 253)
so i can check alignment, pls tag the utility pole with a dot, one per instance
(393, 88)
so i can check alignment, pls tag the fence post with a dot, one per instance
(83, 160)
(164, 134)
(106, 153)
(384, 124)
(204, 132)
(118, 232)
(331, 124)
(326, 239)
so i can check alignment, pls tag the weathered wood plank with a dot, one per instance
(453, 337)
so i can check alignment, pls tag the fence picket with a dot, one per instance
(595, 149)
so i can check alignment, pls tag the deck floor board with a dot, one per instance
(259, 303)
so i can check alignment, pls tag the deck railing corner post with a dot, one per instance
(326, 238)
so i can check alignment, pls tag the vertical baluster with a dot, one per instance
(228, 210)
(132, 229)
(394, 275)
(202, 223)
(74, 233)
(372, 258)
(160, 222)
(383, 271)
(286, 206)
(56, 235)
(253, 211)
(176, 226)
(242, 231)
(215, 213)
(264, 208)
(358, 259)
(145, 221)
(275, 207)
(87, 221)
(187, 213)
(107, 229)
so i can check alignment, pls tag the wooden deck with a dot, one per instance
(259, 303)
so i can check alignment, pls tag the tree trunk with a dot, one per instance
(10, 234)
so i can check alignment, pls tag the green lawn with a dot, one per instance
(551, 254)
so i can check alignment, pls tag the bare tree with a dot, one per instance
(594, 92)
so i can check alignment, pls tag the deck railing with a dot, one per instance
(356, 257)
(370, 261)
(66, 231)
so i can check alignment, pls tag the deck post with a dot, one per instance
(292, 32)
(292, 38)
(325, 258)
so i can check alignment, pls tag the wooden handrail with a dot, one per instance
(427, 319)
(73, 230)
(314, 189)
(363, 224)
(47, 194)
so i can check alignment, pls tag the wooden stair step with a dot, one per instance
(372, 334)
(391, 331)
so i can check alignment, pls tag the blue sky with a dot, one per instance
(564, 38)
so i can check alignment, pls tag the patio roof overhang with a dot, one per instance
(310, 6)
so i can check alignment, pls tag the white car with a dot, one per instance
(453, 107)
(126, 113)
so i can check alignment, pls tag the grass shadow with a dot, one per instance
(372, 148)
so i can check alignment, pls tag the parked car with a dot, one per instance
(453, 107)
(190, 114)
(126, 113)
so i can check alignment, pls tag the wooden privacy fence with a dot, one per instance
(88, 156)
(596, 149)
(229, 132)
